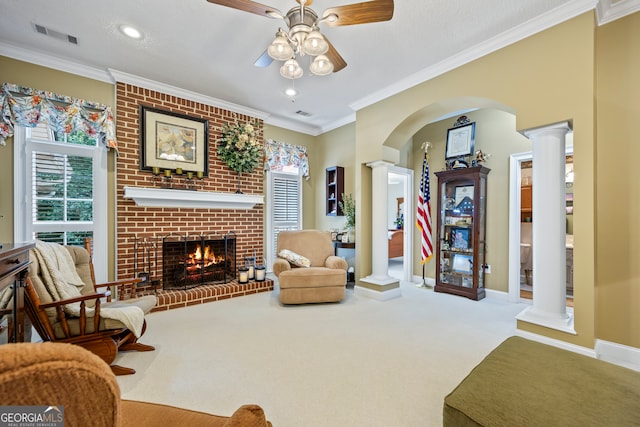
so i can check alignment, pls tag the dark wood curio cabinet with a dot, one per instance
(460, 252)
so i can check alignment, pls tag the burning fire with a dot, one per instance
(198, 260)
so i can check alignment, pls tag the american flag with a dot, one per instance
(423, 220)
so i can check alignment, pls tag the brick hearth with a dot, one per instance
(170, 299)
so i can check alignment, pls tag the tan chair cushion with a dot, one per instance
(312, 277)
(136, 414)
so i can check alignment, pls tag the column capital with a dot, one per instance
(379, 163)
(562, 127)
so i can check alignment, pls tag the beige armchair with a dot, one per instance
(81, 384)
(326, 278)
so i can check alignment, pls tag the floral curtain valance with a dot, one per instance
(27, 107)
(278, 154)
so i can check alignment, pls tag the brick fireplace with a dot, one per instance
(136, 223)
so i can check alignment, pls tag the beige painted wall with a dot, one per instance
(495, 135)
(544, 79)
(335, 148)
(618, 205)
(42, 78)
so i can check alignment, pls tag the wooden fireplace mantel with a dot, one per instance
(172, 198)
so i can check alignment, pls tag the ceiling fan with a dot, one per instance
(303, 36)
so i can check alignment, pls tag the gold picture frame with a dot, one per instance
(170, 141)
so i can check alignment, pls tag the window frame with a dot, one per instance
(270, 237)
(25, 226)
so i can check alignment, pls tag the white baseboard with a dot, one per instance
(497, 295)
(556, 343)
(618, 354)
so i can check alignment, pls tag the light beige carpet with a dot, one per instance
(361, 362)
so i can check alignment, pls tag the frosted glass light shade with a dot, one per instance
(315, 44)
(321, 66)
(291, 70)
(280, 49)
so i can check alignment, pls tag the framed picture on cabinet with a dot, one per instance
(462, 192)
(460, 141)
(459, 238)
(463, 263)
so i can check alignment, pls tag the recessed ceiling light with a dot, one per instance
(129, 31)
(291, 92)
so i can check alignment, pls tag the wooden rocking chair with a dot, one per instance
(102, 336)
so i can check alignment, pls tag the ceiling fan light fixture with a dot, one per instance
(315, 44)
(321, 66)
(280, 49)
(291, 70)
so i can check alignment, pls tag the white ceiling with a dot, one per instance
(206, 51)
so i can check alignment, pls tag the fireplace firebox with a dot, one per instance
(193, 260)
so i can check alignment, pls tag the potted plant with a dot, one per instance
(399, 222)
(348, 206)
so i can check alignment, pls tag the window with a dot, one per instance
(60, 189)
(284, 211)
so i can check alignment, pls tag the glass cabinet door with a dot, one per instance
(456, 233)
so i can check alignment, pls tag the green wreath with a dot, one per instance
(239, 146)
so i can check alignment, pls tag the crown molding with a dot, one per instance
(49, 61)
(121, 76)
(610, 10)
(292, 126)
(350, 118)
(540, 23)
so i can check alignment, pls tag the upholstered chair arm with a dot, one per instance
(336, 262)
(280, 265)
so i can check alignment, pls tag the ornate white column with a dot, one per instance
(379, 284)
(549, 307)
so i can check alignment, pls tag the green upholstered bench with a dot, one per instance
(525, 383)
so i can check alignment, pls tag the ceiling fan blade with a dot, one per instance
(338, 62)
(360, 13)
(249, 6)
(306, 3)
(263, 60)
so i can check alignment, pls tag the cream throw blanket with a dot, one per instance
(59, 275)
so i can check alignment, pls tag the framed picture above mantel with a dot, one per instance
(173, 141)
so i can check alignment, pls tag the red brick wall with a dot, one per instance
(144, 221)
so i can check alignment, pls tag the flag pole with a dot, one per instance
(424, 185)
(424, 283)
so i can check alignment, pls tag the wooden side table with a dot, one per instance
(14, 266)
(342, 245)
